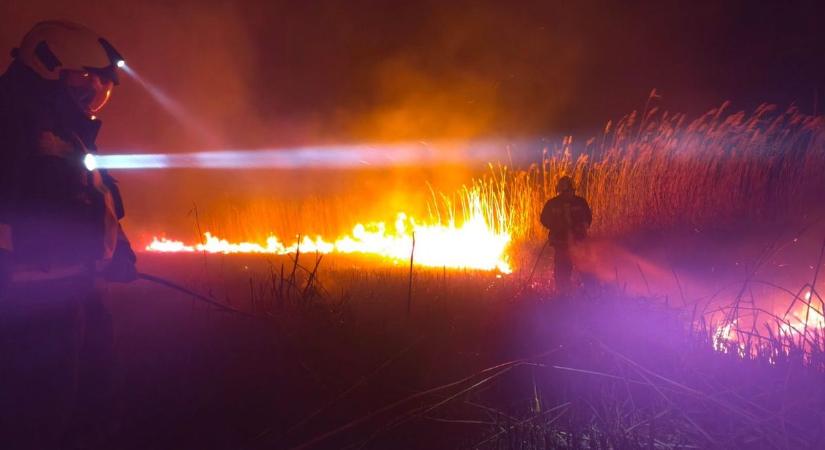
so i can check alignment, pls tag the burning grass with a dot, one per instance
(509, 365)
(659, 171)
(649, 171)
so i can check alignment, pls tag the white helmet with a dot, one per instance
(86, 62)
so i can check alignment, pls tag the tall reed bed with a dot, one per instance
(661, 171)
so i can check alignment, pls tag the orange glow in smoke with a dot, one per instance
(474, 244)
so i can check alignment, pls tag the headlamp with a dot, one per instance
(90, 162)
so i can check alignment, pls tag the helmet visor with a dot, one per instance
(88, 90)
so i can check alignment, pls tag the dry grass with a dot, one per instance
(660, 171)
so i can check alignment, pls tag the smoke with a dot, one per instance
(284, 74)
(611, 263)
(275, 73)
(172, 107)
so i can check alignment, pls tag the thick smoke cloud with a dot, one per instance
(268, 73)
(283, 73)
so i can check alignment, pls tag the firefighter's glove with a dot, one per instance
(122, 268)
(6, 267)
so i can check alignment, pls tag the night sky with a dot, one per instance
(269, 73)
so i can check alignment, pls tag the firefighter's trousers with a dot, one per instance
(562, 266)
(56, 360)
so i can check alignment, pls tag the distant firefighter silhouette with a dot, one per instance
(567, 217)
(59, 230)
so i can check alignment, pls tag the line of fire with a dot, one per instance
(444, 225)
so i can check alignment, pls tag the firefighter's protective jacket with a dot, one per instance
(53, 211)
(567, 217)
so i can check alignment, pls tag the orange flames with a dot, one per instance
(474, 244)
(802, 327)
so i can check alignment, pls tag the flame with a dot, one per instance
(803, 323)
(724, 336)
(805, 318)
(472, 245)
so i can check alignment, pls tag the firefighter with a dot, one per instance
(60, 236)
(567, 217)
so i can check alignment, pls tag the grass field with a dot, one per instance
(477, 362)
(705, 233)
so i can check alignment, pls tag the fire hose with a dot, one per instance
(176, 287)
(41, 276)
(533, 270)
(536, 263)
